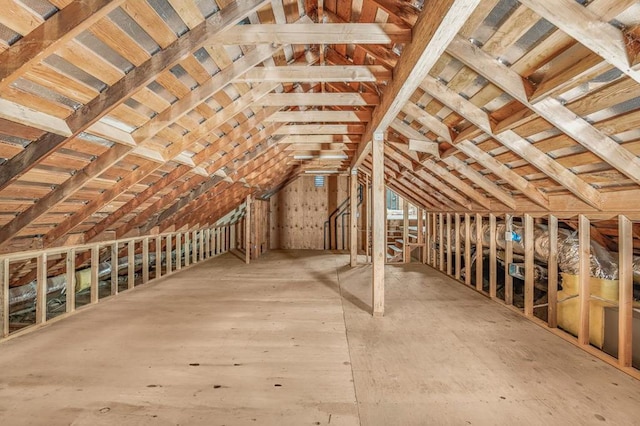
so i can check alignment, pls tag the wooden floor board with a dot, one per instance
(442, 354)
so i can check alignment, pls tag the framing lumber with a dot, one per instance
(550, 109)
(63, 26)
(514, 142)
(312, 33)
(353, 217)
(378, 208)
(581, 24)
(433, 31)
(319, 99)
(301, 74)
(625, 311)
(114, 95)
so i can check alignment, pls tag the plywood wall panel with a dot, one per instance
(299, 210)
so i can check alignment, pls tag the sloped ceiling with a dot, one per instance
(131, 116)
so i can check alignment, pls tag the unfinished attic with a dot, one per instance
(345, 212)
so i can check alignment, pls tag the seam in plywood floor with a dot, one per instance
(346, 336)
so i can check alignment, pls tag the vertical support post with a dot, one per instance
(194, 247)
(367, 216)
(95, 261)
(467, 249)
(420, 234)
(405, 232)
(508, 258)
(625, 310)
(218, 244)
(449, 269)
(441, 241)
(115, 266)
(528, 265)
(178, 251)
(552, 273)
(205, 236)
(458, 246)
(4, 297)
(201, 255)
(429, 242)
(168, 260)
(353, 217)
(41, 289)
(131, 264)
(158, 249)
(584, 239)
(145, 260)
(434, 232)
(70, 286)
(379, 213)
(187, 249)
(212, 242)
(247, 232)
(479, 253)
(493, 259)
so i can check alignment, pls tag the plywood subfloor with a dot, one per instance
(210, 345)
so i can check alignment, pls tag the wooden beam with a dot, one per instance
(135, 202)
(550, 109)
(319, 139)
(480, 180)
(247, 231)
(95, 263)
(319, 99)
(528, 265)
(114, 95)
(320, 116)
(441, 242)
(95, 204)
(321, 129)
(379, 208)
(4, 297)
(302, 74)
(551, 168)
(63, 26)
(353, 217)
(467, 249)
(41, 289)
(320, 33)
(21, 114)
(514, 142)
(552, 268)
(493, 261)
(625, 311)
(591, 138)
(582, 24)
(197, 96)
(436, 26)
(62, 192)
(479, 253)
(508, 259)
(449, 245)
(433, 124)
(445, 175)
(502, 171)
(424, 146)
(584, 276)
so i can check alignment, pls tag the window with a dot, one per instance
(318, 181)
